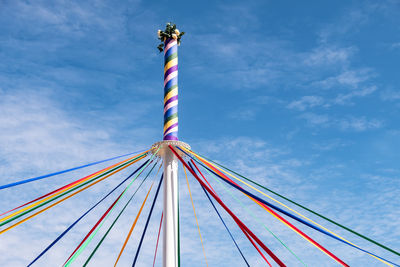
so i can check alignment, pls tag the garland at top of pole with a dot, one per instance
(170, 38)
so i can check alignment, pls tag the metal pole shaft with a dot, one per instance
(170, 226)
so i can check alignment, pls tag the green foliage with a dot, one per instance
(170, 32)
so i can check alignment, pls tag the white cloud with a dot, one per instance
(349, 78)
(70, 17)
(309, 102)
(331, 144)
(345, 124)
(395, 45)
(390, 95)
(316, 119)
(359, 124)
(35, 134)
(356, 17)
(342, 99)
(324, 55)
(306, 102)
(243, 114)
(38, 137)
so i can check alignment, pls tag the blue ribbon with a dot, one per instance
(64, 171)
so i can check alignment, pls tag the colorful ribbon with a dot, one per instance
(301, 206)
(241, 228)
(97, 228)
(61, 200)
(266, 206)
(249, 212)
(66, 189)
(83, 215)
(171, 90)
(236, 219)
(115, 220)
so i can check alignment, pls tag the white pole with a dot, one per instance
(170, 224)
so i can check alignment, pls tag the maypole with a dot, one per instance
(170, 40)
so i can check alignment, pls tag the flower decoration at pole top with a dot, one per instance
(170, 32)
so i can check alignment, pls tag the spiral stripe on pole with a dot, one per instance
(171, 90)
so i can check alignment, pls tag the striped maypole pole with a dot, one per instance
(171, 88)
(170, 39)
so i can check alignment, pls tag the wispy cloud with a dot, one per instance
(306, 102)
(244, 114)
(348, 78)
(316, 119)
(354, 17)
(37, 132)
(390, 95)
(325, 55)
(351, 20)
(359, 124)
(331, 144)
(395, 45)
(309, 102)
(343, 99)
(349, 123)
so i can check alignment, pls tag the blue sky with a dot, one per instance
(302, 97)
